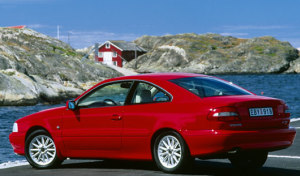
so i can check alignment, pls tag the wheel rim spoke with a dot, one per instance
(172, 160)
(169, 144)
(35, 145)
(175, 146)
(47, 141)
(165, 144)
(34, 150)
(39, 143)
(174, 157)
(165, 159)
(39, 157)
(163, 148)
(36, 154)
(177, 154)
(164, 154)
(43, 141)
(50, 154)
(50, 145)
(177, 150)
(169, 151)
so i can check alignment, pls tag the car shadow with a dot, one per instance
(112, 164)
(199, 168)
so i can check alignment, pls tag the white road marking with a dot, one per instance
(297, 127)
(283, 156)
(10, 164)
(295, 119)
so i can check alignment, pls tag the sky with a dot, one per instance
(89, 21)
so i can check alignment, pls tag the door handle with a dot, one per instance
(116, 117)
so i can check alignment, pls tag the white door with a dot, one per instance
(107, 58)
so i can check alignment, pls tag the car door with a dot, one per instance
(148, 102)
(94, 128)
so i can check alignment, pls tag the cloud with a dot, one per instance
(237, 34)
(37, 26)
(79, 39)
(253, 27)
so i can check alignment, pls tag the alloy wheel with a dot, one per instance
(169, 151)
(42, 150)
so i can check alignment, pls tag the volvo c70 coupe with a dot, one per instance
(170, 118)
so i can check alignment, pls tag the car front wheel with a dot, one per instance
(40, 150)
(170, 152)
(249, 160)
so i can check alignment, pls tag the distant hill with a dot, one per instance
(215, 54)
(37, 68)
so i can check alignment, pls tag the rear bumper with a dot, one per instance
(210, 142)
(17, 141)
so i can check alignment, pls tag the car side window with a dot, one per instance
(209, 87)
(146, 93)
(109, 95)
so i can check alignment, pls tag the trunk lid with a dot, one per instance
(265, 112)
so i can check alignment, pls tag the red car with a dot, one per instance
(170, 118)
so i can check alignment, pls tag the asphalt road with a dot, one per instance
(280, 163)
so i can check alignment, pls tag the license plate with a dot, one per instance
(256, 112)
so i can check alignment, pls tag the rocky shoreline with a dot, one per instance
(36, 68)
(215, 54)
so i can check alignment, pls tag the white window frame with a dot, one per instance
(107, 45)
(115, 54)
(100, 54)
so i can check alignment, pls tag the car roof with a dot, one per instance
(148, 77)
(159, 76)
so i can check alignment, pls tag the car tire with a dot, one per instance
(171, 153)
(40, 150)
(249, 160)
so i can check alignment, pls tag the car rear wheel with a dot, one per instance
(40, 150)
(249, 160)
(170, 152)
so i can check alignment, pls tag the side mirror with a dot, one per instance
(71, 105)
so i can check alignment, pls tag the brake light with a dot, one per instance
(224, 114)
(286, 111)
(283, 111)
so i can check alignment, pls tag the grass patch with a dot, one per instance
(9, 73)
(68, 52)
(259, 49)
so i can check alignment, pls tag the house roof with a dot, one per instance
(125, 46)
(16, 27)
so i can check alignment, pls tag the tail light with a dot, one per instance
(286, 111)
(283, 111)
(224, 114)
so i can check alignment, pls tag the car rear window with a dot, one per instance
(209, 86)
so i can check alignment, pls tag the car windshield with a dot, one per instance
(209, 86)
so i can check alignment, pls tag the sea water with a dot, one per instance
(285, 87)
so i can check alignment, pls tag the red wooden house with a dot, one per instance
(118, 52)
